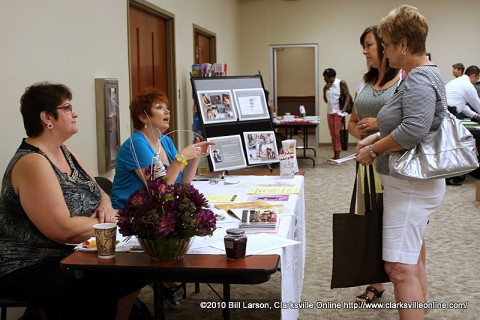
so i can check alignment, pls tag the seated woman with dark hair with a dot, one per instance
(50, 198)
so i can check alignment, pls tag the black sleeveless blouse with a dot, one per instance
(21, 243)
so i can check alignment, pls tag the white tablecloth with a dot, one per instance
(292, 226)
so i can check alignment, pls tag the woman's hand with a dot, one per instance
(190, 152)
(371, 139)
(204, 147)
(366, 125)
(105, 214)
(198, 149)
(363, 156)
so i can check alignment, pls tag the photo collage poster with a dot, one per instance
(261, 147)
(217, 106)
(227, 153)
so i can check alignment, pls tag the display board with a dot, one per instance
(233, 112)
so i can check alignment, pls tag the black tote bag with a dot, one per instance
(357, 242)
(344, 136)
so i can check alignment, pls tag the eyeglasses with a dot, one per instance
(68, 108)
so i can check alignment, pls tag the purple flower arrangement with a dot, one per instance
(161, 210)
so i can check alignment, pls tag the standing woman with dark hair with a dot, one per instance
(374, 89)
(332, 90)
(415, 110)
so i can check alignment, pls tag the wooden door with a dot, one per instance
(148, 51)
(152, 55)
(204, 48)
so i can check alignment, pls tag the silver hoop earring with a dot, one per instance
(145, 126)
(404, 53)
(50, 125)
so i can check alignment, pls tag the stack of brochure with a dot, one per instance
(312, 118)
(259, 220)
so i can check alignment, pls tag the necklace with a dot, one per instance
(158, 168)
(377, 92)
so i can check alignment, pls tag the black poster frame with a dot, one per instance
(231, 127)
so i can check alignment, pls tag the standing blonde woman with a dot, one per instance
(414, 110)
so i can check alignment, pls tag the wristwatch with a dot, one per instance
(372, 153)
(180, 158)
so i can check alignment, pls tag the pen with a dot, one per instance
(233, 198)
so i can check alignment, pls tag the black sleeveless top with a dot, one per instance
(21, 243)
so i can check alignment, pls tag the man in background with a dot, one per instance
(458, 69)
(462, 97)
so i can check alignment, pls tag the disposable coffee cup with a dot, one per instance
(106, 238)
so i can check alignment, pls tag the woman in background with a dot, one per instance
(374, 89)
(415, 109)
(49, 198)
(332, 90)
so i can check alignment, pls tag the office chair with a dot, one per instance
(105, 184)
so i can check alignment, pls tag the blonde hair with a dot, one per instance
(406, 22)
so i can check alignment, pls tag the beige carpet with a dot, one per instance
(453, 261)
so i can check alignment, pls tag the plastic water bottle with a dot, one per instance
(303, 113)
(203, 166)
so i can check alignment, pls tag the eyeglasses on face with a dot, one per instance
(68, 108)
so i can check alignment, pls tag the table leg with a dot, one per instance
(305, 146)
(158, 309)
(306, 142)
(226, 300)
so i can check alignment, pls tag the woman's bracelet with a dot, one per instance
(180, 158)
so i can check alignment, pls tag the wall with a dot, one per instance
(295, 76)
(74, 42)
(337, 25)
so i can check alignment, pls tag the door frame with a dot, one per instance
(273, 74)
(212, 42)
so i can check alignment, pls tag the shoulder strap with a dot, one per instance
(436, 82)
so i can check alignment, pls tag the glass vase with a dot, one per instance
(162, 249)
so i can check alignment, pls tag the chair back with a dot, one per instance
(105, 184)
